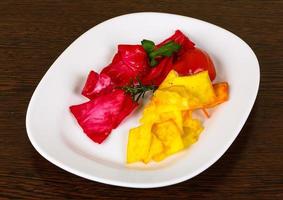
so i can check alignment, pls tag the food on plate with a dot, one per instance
(180, 77)
(97, 84)
(194, 61)
(100, 115)
(221, 94)
(129, 62)
(168, 116)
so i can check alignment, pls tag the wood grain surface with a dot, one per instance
(34, 33)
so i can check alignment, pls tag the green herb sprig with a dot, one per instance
(137, 90)
(166, 50)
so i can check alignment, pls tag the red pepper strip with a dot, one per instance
(130, 62)
(97, 84)
(193, 61)
(181, 39)
(99, 116)
(128, 106)
(166, 69)
(159, 72)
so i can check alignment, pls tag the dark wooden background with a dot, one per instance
(34, 33)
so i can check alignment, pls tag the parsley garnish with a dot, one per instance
(166, 50)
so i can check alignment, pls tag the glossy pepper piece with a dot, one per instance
(180, 39)
(221, 92)
(193, 61)
(130, 62)
(159, 73)
(102, 114)
(97, 84)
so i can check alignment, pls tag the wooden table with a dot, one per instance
(34, 33)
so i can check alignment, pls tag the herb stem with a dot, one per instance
(137, 90)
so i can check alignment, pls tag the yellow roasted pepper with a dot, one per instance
(167, 126)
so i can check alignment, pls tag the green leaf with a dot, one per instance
(166, 50)
(148, 46)
(153, 62)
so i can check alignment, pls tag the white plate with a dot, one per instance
(54, 133)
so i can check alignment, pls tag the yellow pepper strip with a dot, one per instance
(221, 93)
(169, 135)
(166, 100)
(167, 123)
(198, 85)
(197, 88)
(187, 117)
(192, 131)
(139, 143)
(155, 151)
(167, 82)
(175, 115)
(150, 114)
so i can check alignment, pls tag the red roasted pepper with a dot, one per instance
(180, 39)
(159, 72)
(194, 61)
(102, 114)
(97, 84)
(108, 106)
(130, 62)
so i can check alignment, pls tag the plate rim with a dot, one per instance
(131, 184)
